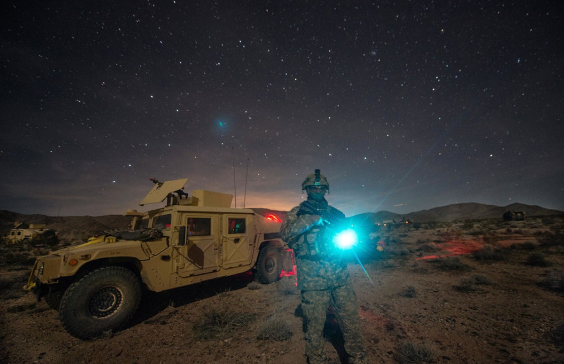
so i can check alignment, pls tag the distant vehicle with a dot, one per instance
(401, 221)
(31, 233)
(514, 216)
(97, 286)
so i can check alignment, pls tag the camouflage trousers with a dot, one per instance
(343, 301)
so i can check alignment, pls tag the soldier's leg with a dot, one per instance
(345, 306)
(314, 306)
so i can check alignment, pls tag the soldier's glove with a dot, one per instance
(314, 220)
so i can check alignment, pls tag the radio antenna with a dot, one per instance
(246, 179)
(234, 184)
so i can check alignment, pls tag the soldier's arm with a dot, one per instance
(293, 226)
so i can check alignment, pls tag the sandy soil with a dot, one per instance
(427, 288)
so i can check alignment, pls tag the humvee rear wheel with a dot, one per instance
(269, 265)
(103, 300)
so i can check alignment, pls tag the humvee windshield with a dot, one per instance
(162, 222)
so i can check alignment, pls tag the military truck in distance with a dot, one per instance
(97, 286)
(31, 234)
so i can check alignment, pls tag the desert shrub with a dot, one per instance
(405, 252)
(467, 225)
(490, 238)
(558, 335)
(253, 286)
(548, 239)
(427, 248)
(287, 286)
(528, 245)
(423, 241)
(508, 231)
(5, 284)
(537, 260)
(481, 280)
(16, 257)
(489, 253)
(432, 225)
(548, 220)
(450, 234)
(416, 225)
(409, 352)
(553, 281)
(275, 328)
(452, 264)
(409, 292)
(219, 320)
(465, 285)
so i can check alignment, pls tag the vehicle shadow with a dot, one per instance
(153, 303)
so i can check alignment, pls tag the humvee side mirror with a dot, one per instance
(182, 235)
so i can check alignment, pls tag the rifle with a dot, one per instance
(333, 217)
(337, 229)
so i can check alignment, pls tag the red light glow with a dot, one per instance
(272, 217)
(455, 247)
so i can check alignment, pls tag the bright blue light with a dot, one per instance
(346, 239)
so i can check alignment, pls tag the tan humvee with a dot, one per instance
(31, 233)
(97, 286)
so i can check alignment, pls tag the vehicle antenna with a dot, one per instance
(234, 184)
(246, 179)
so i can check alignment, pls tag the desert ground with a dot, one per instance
(480, 291)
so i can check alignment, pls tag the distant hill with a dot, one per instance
(464, 211)
(80, 228)
(70, 228)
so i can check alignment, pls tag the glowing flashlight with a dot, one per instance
(346, 239)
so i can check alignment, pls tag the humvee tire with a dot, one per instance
(269, 265)
(103, 300)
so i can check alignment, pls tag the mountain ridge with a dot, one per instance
(82, 227)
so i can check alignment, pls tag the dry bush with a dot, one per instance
(537, 260)
(409, 352)
(253, 286)
(5, 284)
(490, 238)
(528, 245)
(409, 292)
(481, 280)
(553, 281)
(465, 285)
(467, 225)
(275, 328)
(548, 239)
(558, 335)
(489, 253)
(451, 264)
(427, 248)
(422, 241)
(287, 286)
(220, 320)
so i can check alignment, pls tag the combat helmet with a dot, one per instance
(316, 179)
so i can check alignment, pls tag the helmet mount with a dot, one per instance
(316, 179)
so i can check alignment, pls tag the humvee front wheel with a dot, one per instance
(103, 300)
(269, 265)
(53, 299)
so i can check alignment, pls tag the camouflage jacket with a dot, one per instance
(318, 266)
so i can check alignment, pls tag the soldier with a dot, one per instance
(323, 277)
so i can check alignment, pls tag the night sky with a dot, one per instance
(403, 105)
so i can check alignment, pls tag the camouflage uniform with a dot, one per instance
(324, 280)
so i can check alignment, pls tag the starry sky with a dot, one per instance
(403, 105)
